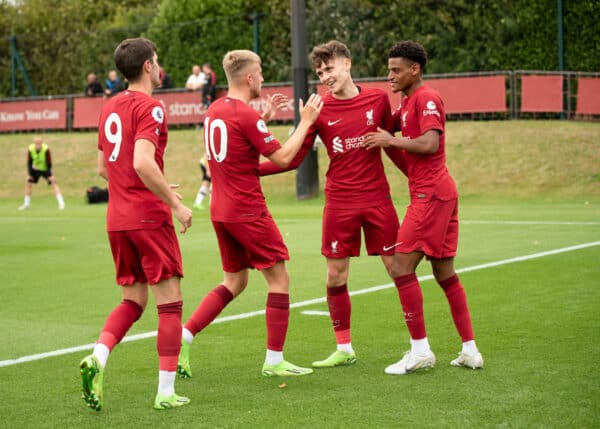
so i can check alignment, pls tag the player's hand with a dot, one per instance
(184, 216)
(274, 102)
(381, 138)
(311, 110)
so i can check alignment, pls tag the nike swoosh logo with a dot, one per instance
(330, 123)
(386, 248)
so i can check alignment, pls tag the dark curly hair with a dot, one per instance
(410, 50)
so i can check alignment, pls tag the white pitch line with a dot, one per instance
(129, 338)
(315, 313)
(524, 222)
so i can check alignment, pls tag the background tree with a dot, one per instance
(62, 40)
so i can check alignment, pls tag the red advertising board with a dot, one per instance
(180, 107)
(588, 102)
(33, 115)
(461, 95)
(86, 111)
(541, 93)
(472, 94)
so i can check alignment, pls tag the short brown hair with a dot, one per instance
(234, 62)
(327, 51)
(130, 56)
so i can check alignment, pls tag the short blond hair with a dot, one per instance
(235, 62)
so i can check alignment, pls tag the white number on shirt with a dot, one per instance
(115, 138)
(209, 139)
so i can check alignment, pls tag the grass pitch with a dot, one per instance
(536, 320)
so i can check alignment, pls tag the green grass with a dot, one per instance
(536, 321)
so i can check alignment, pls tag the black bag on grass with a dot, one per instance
(94, 195)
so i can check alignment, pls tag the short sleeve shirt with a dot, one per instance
(428, 176)
(356, 176)
(126, 118)
(235, 136)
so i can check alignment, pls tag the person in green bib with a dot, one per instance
(39, 164)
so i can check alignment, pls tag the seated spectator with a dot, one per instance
(165, 80)
(113, 84)
(209, 90)
(93, 87)
(196, 80)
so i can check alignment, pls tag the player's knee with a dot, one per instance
(30, 180)
(336, 276)
(398, 268)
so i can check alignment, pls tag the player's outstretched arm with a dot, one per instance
(308, 115)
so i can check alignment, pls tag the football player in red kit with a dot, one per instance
(357, 194)
(132, 139)
(430, 226)
(235, 136)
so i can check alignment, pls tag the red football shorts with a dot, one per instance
(257, 244)
(430, 227)
(341, 236)
(145, 255)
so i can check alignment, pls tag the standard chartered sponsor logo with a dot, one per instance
(354, 142)
(339, 145)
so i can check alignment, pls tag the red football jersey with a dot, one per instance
(356, 176)
(235, 136)
(127, 117)
(427, 174)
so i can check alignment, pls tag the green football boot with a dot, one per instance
(284, 368)
(173, 401)
(91, 380)
(183, 363)
(337, 358)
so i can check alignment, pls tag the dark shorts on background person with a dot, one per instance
(342, 229)
(257, 244)
(36, 174)
(430, 227)
(205, 176)
(145, 255)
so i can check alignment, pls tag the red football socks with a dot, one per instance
(118, 323)
(457, 299)
(340, 309)
(210, 307)
(168, 340)
(411, 298)
(277, 317)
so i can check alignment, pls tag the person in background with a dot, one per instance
(196, 80)
(165, 79)
(113, 84)
(209, 90)
(205, 186)
(93, 87)
(39, 164)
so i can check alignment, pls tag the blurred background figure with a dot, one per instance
(209, 90)
(165, 79)
(113, 84)
(93, 87)
(196, 80)
(39, 164)
(205, 187)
